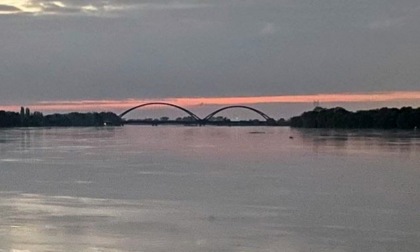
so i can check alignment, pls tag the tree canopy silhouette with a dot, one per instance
(384, 118)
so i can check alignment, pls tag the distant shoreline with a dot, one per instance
(75, 119)
(406, 118)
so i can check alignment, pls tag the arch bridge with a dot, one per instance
(197, 119)
(193, 116)
(211, 115)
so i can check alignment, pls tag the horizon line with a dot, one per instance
(85, 105)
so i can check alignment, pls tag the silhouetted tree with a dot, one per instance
(384, 118)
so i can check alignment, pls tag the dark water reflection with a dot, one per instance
(209, 189)
(404, 142)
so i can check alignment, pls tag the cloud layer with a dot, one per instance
(121, 105)
(119, 49)
(90, 7)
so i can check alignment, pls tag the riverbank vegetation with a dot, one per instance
(75, 119)
(384, 118)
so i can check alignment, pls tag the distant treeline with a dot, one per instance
(37, 119)
(384, 118)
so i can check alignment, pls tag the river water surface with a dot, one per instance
(221, 189)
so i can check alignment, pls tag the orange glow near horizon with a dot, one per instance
(96, 105)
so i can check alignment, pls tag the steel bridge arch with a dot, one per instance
(211, 115)
(194, 116)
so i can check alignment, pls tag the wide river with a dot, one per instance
(221, 189)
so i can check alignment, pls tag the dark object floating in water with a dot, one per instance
(257, 132)
(290, 137)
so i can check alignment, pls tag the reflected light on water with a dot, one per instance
(44, 223)
(228, 189)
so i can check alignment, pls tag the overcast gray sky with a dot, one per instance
(118, 49)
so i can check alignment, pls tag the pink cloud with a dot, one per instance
(100, 105)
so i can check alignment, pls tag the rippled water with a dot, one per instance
(209, 189)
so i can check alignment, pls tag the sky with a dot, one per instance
(209, 52)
